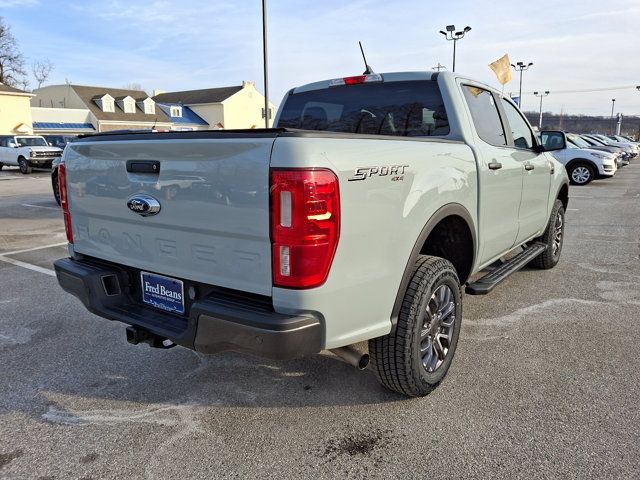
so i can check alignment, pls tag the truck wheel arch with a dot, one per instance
(450, 215)
(563, 195)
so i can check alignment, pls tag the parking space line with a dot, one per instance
(573, 209)
(29, 266)
(39, 206)
(15, 252)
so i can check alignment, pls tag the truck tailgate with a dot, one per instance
(213, 224)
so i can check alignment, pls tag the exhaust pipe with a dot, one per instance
(352, 356)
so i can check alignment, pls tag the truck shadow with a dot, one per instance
(115, 371)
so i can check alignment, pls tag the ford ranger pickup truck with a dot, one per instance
(359, 217)
(27, 152)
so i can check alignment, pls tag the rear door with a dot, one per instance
(500, 175)
(213, 194)
(536, 172)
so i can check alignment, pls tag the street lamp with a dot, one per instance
(451, 34)
(265, 64)
(520, 66)
(541, 95)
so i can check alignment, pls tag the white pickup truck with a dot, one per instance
(27, 152)
(361, 216)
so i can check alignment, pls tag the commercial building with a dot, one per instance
(15, 114)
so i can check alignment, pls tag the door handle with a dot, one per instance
(495, 165)
(528, 166)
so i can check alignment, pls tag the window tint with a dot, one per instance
(484, 113)
(522, 134)
(413, 108)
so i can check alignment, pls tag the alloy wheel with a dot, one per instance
(437, 329)
(580, 175)
(557, 234)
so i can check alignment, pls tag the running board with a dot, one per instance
(484, 285)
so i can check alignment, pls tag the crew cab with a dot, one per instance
(361, 216)
(27, 152)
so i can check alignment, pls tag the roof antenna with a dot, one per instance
(368, 70)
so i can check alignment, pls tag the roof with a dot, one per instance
(7, 89)
(62, 126)
(89, 94)
(192, 97)
(188, 115)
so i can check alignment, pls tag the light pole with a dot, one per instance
(541, 95)
(264, 60)
(613, 103)
(520, 66)
(451, 34)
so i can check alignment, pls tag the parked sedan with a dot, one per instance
(607, 141)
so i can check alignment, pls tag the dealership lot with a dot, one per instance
(545, 382)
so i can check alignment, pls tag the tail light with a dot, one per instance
(305, 226)
(64, 200)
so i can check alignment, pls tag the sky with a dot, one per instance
(182, 45)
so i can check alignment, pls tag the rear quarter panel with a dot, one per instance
(381, 220)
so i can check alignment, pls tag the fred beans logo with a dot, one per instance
(395, 172)
(161, 290)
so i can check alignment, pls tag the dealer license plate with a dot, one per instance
(162, 292)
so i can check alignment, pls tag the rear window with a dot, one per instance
(411, 109)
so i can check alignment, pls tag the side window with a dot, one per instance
(522, 134)
(484, 113)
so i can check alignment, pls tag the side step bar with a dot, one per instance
(484, 285)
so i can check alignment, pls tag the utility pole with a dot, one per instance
(541, 95)
(521, 67)
(264, 60)
(451, 34)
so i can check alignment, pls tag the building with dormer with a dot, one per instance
(108, 108)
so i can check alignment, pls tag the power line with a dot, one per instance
(590, 90)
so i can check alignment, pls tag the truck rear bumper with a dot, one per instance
(215, 322)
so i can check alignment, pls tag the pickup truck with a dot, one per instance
(27, 152)
(359, 217)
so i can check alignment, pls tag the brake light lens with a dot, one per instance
(358, 79)
(64, 201)
(305, 226)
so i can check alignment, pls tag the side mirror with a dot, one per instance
(552, 140)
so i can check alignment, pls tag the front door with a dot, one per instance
(536, 167)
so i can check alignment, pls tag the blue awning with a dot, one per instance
(62, 126)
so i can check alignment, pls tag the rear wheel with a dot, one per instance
(56, 186)
(581, 173)
(415, 357)
(24, 166)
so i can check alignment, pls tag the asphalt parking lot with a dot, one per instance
(545, 383)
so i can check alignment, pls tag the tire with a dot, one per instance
(55, 186)
(553, 238)
(581, 173)
(1, 165)
(24, 166)
(414, 358)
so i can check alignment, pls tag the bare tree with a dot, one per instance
(41, 70)
(12, 70)
(134, 86)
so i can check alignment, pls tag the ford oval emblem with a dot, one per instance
(144, 205)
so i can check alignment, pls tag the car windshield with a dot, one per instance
(579, 142)
(410, 108)
(31, 141)
(603, 139)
